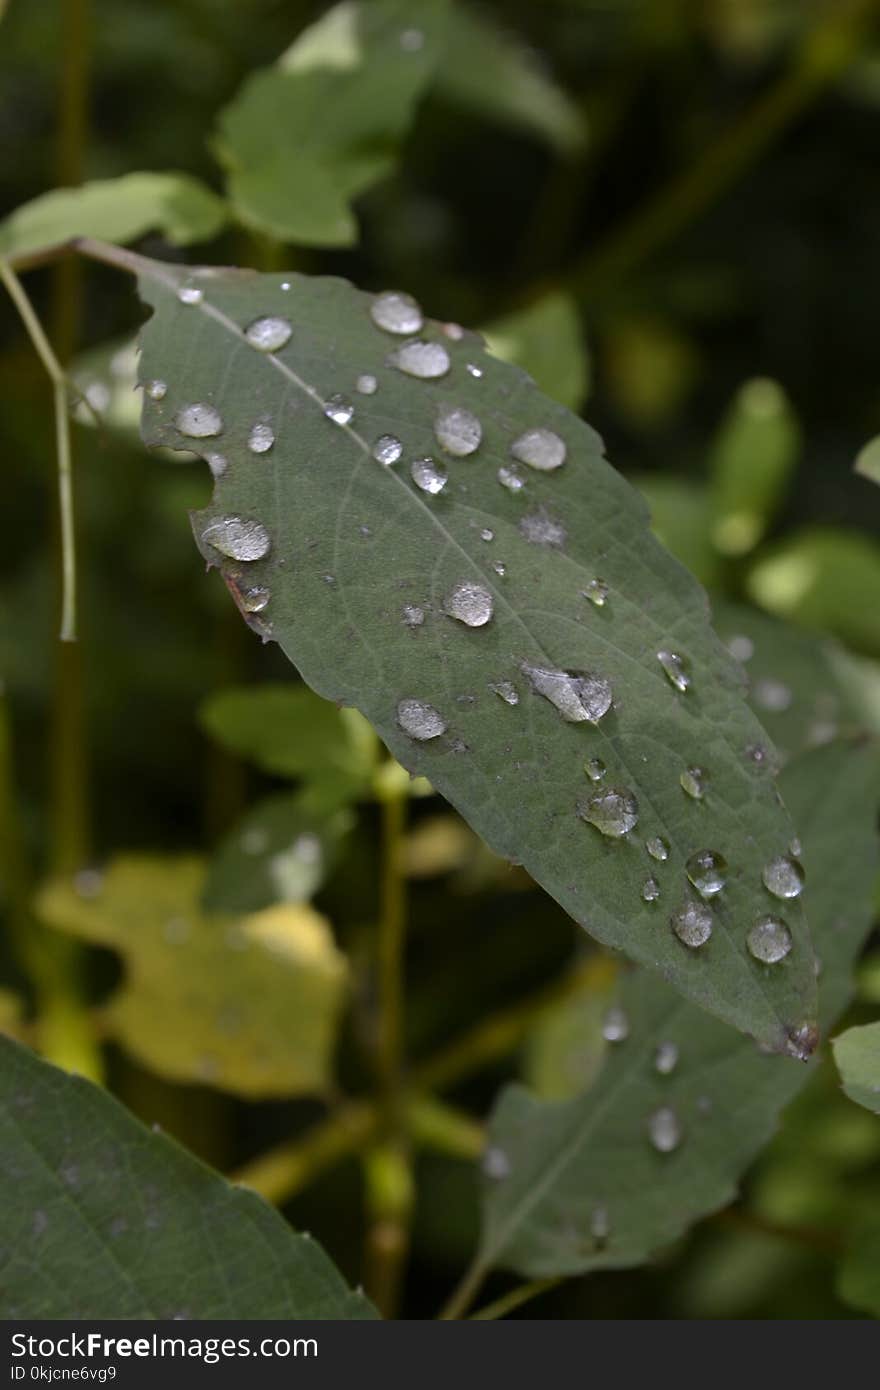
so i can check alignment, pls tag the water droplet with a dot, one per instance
(666, 1058)
(413, 616)
(189, 294)
(580, 696)
(511, 478)
(539, 528)
(783, 877)
(470, 603)
(796, 848)
(650, 890)
(506, 690)
(429, 476)
(458, 431)
(496, 1164)
(261, 438)
(396, 312)
(539, 448)
(285, 285)
(487, 534)
(339, 410)
(756, 753)
(422, 359)
(254, 599)
(499, 567)
(420, 720)
(615, 1025)
(741, 648)
(657, 848)
(238, 538)
(597, 592)
(366, 384)
(387, 449)
(269, 333)
(156, 390)
(772, 695)
(692, 924)
(217, 464)
(769, 940)
(664, 1130)
(199, 420)
(600, 1223)
(693, 781)
(473, 370)
(674, 667)
(454, 331)
(595, 769)
(803, 1041)
(613, 811)
(707, 871)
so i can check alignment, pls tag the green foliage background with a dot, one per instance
(667, 213)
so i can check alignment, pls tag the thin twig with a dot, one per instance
(515, 1298)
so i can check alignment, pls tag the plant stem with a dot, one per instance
(464, 1294)
(394, 796)
(515, 1298)
(287, 1168)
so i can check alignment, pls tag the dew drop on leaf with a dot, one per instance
(579, 696)
(595, 769)
(473, 370)
(693, 781)
(674, 667)
(769, 940)
(396, 312)
(650, 890)
(511, 478)
(420, 720)
(539, 528)
(156, 390)
(707, 871)
(496, 1164)
(199, 420)
(539, 448)
(255, 598)
(261, 438)
(217, 464)
(339, 409)
(366, 384)
(600, 1223)
(499, 567)
(614, 811)
(487, 534)
(237, 537)
(413, 616)
(268, 334)
(429, 476)
(458, 431)
(506, 691)
(615, 1025)
(783, 877)
(657, 848)
(422, 359)
(387, 449)
(597, 592)
(470, 603)
(190, 294)
(666, 1058)
(664, 1130)
(692, 924)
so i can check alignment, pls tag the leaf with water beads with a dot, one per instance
(355, 545)
(683, 1103)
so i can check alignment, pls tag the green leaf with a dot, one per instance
(858, 1279)
(868, 460)
(490, 70)
(822, 577)
(681, 519)
(546, 339)
(107, 376)
(564, 1171)
(287, 730)
(352, 553)
(857, 1054)
(249, 1004)
(750, 464)
(120, 210)
(302, 139)
(281, 851)
(111, 1221)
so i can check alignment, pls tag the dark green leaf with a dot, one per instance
(858, 1279)
(857, 1054)
(572, 1166)
(821, 577)
(351, 551)
(111, 1221)
(868, 461)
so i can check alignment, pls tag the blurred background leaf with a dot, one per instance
(857, 1054)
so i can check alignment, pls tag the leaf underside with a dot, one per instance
(589, 1160)
(112, 1221)
(353, 542)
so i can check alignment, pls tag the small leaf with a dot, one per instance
(111, 1221)
(288, 730)
(579, 1184)
(750, 464)
(120, 210)
(302, 139)
(107, 377)
(249, 1005)
(820, 577)
(281, 851)
(547, 340)
(450, 608)
(681, 519)
(857, 1054)
(868, 461)
(490, 70)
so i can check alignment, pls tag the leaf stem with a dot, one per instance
(465, 1293)
(515, 1298)
(394, 797)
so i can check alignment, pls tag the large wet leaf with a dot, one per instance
(111, 1221)
(377, 586)
(249, 1004)
(582, 1184)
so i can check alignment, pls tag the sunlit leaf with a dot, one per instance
(868, 461)
(107, 376)
(122, 209)
(665, 1134)
(358, 567)
(750, 464)
(547, 340)
(857, 1054)
(305, 137)
(111, 1221)
(821, 577)
(681, 518)
(247, 1004)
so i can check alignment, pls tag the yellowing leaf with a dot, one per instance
(248, 1004)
